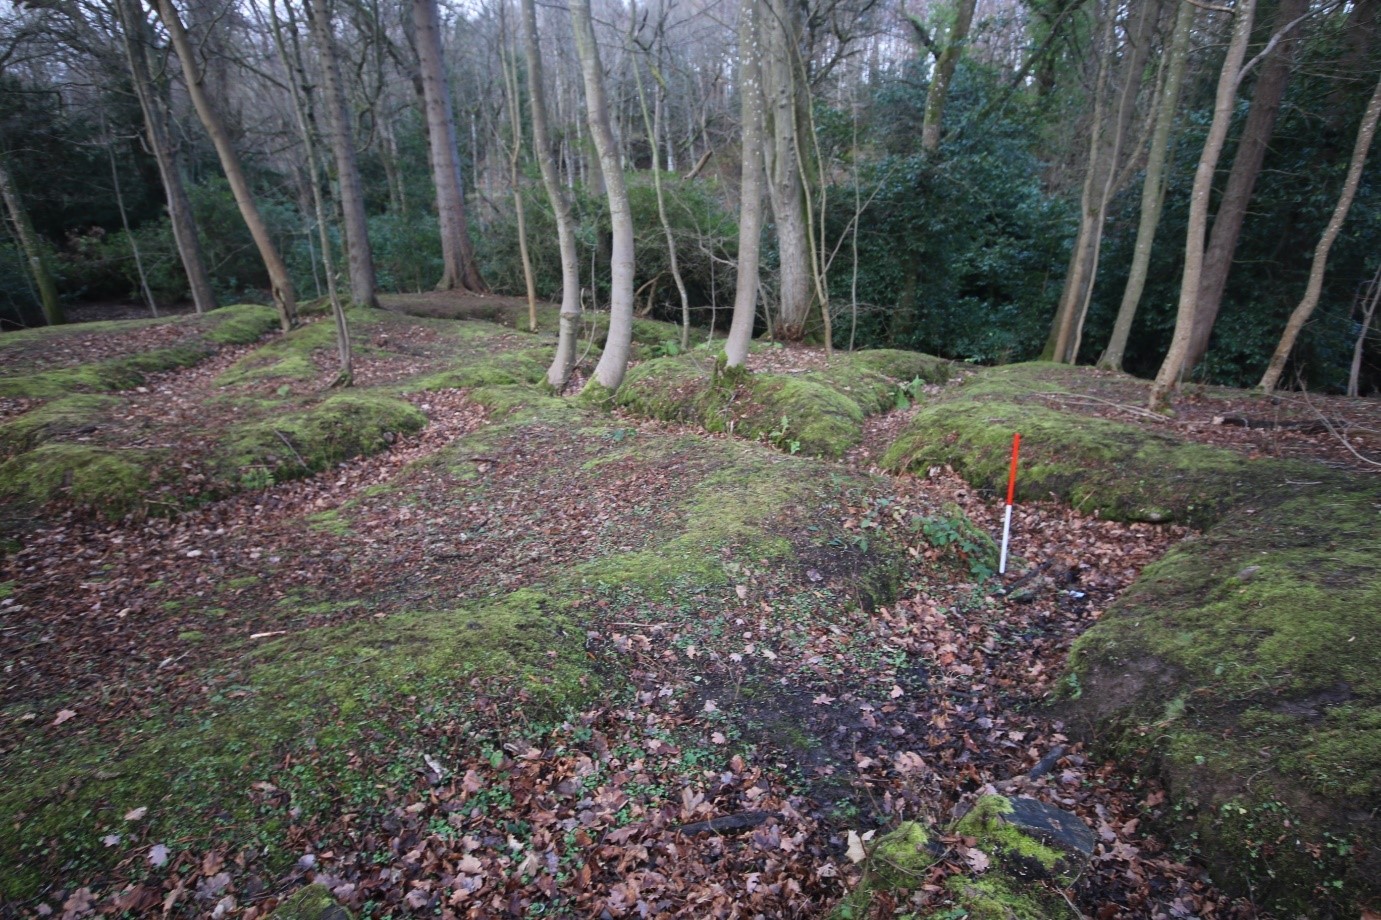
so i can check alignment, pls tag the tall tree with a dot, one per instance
(788, 95)
(459, 269)
(1119, 82)
(750, 185)
(32, 248)
(1246, 167)
(1305, 309)
(1196, 229)
(359, 255)
(614, 361)
(515, 153)
(279, 280)
(1152, 187)
(946, 45)
(136, 40)
(564, 361)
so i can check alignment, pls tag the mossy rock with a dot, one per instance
(314, 902)
(111, 482)
(298, 444)
(1018, 882)
(1241, 668)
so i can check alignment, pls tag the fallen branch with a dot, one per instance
(740, 822)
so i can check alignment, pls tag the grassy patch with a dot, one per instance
(1244, 663)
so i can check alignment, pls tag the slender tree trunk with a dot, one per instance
(750, 191)
(614, 361)
(560, 370)
(280, 281)
(301, 100)
(153, 105)
(781, 80)
(124, 223)
(1246, 166)
(359, 254)
(33, 249)
(457, 252)
(1310, 301)
(1107, 142)
(1369, 301)
(945, 62)
(1153, 188)
(515, 152)
(1197, 225)
(652, 123)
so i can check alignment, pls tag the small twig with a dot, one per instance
(284, 438)
(1328, 423)
(1134, 410)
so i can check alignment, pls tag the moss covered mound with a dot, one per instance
(61, 418)
(1117, 470)
(819, 413)
(306, 442)
(111, 482)
(33, 366)
(1244, 666)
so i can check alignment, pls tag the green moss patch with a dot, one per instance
(818, 413)
(61, 418)
(1244, 664)
(1117, 470)
(306, 442)
(112, 482)
(33, 372)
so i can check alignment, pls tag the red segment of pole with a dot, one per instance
(1012, 474)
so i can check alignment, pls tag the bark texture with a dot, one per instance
(284, 299)
(1246, 167)
(564, 361)
(614, 361)
(750, 188)
(782, 81)
(1310, 301)
(33, 250)
(359, 254)
(459, 269)
(1197, 226)
(946, 59)
(1152, 189)
(153, 105)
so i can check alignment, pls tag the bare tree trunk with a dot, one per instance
(301, 100)
(652, 123)
(1301, 315)
(614, 361)
(1152, 189)
(750, 191)
(515, 151)
(560, 370)
(946, 59)
(457, 252)
(781, 81)
(282, 288)
(1108, 140)
(1370, 298)
(1246, 166)
(124, 223)
(359, 254)
(1197, 226)
(33, 249)
(134, 32)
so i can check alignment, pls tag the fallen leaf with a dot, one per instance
(64, 715)
(978, 860)
(855, 852)
(135, 814)
(158, 855)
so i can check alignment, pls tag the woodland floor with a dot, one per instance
(448, 679)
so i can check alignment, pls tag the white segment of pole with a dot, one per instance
(1006, 535)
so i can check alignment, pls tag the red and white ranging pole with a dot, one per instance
(1011, 493)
